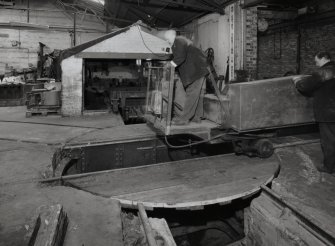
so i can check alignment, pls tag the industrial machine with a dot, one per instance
(44, 100)
(116, 85)
(247, 113)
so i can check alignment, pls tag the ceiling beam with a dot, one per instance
(190, 5)
(171, 3)
(188, 20)
(161, 9)
(141, 13)
(277, 14)
(111, 9)
(228, 2)
(214, 5)
(251, 3)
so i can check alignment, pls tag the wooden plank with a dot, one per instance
(195, 199)
(251, 3)
(94, 220)
(316, 228)
(187, 183)
(162, 230)
(268, 219)
(134, 232)
(219, 168)
(50, 227)
(147, 227)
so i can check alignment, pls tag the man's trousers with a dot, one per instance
(327, 137)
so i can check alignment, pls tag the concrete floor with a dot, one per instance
(26, 149)
(304, 187)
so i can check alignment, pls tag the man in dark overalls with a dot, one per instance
(192, 66)
(321, 85)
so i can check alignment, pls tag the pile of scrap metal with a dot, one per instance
(13, 86)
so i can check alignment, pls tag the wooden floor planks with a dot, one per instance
(193, 182)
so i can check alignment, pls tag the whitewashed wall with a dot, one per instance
(19, 45)
(212, 31)
(72, 86)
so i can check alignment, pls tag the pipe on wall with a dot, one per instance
(28, 12)
(298, 63)
(74, 29)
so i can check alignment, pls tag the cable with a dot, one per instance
(156, 54)
(229, 136)
(193, 144)
(210, 55)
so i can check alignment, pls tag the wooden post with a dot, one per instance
(50, 227)
(74, 29)
(147, 228)
(148, 90)
(218, 94)
(170, 100)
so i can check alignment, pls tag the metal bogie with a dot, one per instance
(262, 148)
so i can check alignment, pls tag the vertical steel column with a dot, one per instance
(74, 29)
(28, 13)
(148, 90)
(232, 41)
(298, 50)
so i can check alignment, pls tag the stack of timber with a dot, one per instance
(299, 209)
(50, 227)
(271, 221)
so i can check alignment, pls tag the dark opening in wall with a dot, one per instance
(115, 86)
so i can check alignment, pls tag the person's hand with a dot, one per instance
(296, 79)
(173, 63)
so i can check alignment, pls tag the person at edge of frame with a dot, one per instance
(321, 86)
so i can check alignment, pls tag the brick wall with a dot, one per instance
(20, 47)
(316, 38)
(250, 63)
(277, 53)
(277, 48)
(211, 31)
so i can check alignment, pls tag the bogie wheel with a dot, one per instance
(264, 148)
(115, 108)
(238, 149)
